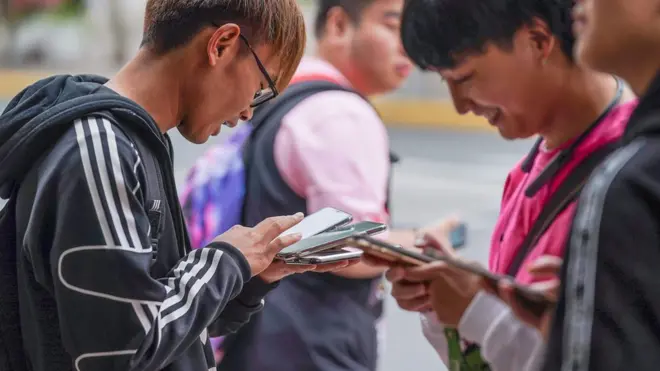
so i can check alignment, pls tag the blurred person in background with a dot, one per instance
(517, 71)
(330, 150)
(609, 304)
(97, 268)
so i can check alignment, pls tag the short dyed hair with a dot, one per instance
(353, 9)
(437, 33)
(170, 24)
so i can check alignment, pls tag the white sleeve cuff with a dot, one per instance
(434, 332)
(484, 311)
(506, 342)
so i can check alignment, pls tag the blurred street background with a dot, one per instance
(451, 164)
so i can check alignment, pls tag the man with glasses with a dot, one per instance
(97, 265)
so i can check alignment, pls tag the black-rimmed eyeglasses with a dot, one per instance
(266, 94)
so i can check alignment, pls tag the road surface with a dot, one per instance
(441, 173)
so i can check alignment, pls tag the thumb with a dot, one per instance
(282, 242)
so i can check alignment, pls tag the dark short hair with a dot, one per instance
(353, 8)
(437, 33)
(170, 24)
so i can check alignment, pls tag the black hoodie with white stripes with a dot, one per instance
(96, 292)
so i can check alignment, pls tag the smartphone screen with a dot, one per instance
(329, 239)
(320, 221)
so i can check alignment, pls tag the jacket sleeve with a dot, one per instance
(609, 308)
(506, 342)
(239, 311)
(96, 259)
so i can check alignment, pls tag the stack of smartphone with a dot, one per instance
(325, 236)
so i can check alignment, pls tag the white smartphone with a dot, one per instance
(335, 238)
(321, 221)
(328, 256)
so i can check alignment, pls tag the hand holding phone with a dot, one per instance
(534, 301)
(545, 268)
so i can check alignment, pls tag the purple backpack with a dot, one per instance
(212, 198)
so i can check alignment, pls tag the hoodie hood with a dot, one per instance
(39, 115)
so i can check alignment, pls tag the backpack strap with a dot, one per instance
(275, 110)
(567, 192)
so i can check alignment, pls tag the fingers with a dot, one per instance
(409, 295)
(272, 227)
(490, 286)
(331, 267)
(295, 269)
(550, 289)
(545, 266)
(426, 272)
(395, 274)
(375, 261)
(438, 237)
(403, 290)
(419, 304)
(508, 295)
(282, 242)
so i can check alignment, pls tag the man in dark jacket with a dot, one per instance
(105, 275)
(608, 311)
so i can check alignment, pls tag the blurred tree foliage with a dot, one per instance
(17, 10)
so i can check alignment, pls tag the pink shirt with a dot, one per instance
(333, 149)
(518, 212)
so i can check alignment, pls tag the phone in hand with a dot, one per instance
(328, 256)
(321, 221)
(532, 300)
(335, 238)
(458, 236)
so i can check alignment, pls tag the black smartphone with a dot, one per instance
(532, 300)
(329, 240)
(389, 252)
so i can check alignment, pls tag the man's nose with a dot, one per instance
(246, 114)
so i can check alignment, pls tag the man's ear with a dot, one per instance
(338, 24)
(224, 43)
(542, 39)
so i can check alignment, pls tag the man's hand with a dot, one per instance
(279, 269)
(412, 296)
(260, 244)
(451, 290)
(542, 268)
(437, 235)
